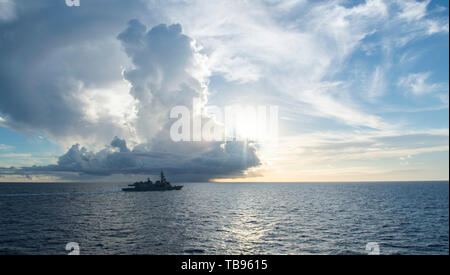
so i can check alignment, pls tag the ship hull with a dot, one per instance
(178, 187)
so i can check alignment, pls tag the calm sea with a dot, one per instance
(226, 218)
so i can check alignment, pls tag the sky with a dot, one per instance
(361, 87)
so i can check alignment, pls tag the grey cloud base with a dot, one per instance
(222, 160)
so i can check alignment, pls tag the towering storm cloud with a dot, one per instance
(167, 70)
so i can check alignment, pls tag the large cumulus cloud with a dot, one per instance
(230, 159)
(166, 69)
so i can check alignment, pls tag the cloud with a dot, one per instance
(377, 87)
(167, 70)
(121, 144)
(416, 12)
(52, 56)
(417, 84)
(413, 21)
(291, 53)
(14, 155)
(5, 147)
(222, 160)
(7, 10)
(295, 52)
(443, 97)
(412, 10)
(334, 147)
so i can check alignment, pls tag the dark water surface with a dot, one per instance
(226, 218)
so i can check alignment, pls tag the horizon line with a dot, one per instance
(352, 181)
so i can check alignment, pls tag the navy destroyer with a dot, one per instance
(160, 185)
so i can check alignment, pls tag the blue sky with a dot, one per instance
(362, 87)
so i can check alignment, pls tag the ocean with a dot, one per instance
(226, 218)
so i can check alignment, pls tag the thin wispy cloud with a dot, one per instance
(419, 84)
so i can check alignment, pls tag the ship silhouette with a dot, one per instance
(160, 185)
